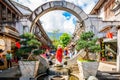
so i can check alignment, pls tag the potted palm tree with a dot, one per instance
(29, 48)
(87, 66)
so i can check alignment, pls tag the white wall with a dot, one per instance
(19, 27)
(21, 23)
(102, 14)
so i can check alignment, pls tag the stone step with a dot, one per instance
(108, 75)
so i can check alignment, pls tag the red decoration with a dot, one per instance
(109, 35)
(17, 45)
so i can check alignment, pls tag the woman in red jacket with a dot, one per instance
(59, 55)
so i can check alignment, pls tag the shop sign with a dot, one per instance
(103, 49)
(2, 44)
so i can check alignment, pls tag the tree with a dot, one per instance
(54, 39)
(54, 34)
(87, 42)
(29, 45)
(64, 39)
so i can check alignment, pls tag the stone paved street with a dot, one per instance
(10, 74)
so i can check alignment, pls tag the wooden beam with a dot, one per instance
(6, 13)
(9, 7)
(0, 13)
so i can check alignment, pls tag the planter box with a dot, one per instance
(87, 69)
(29, 68)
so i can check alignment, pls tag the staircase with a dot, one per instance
(108, 75)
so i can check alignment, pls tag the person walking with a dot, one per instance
(65, 51)
(9, 59)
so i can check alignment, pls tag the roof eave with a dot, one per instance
(97, 6)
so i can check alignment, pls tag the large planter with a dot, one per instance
(29, 68)
(87, 69)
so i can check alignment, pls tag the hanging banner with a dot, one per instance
(2, 45)
(102, 44)
(109, 35)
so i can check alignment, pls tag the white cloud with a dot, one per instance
(69, 26)
(55, 20)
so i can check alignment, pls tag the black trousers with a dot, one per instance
(9, 63)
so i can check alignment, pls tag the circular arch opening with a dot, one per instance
(57, 5)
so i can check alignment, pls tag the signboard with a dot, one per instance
(103, 49)
(2, 44)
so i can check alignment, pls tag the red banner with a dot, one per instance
(109, 35)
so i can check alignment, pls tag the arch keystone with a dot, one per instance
(56, 3)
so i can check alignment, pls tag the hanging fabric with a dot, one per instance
(109, 35)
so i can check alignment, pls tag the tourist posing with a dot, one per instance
(59, 55)
(9, 59)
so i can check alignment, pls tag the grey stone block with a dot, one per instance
(56, 3)
(45, 6)
(77, 10)
(38, 11)
(70, 6)
(83, 15)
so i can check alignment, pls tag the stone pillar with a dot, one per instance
(118, 51)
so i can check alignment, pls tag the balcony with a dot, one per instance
(9, 31)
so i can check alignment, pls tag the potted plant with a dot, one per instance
(87, 66)
(29, 48)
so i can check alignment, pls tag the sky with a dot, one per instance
(62, 20)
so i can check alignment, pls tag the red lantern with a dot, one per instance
(18, 45)
(109, 35)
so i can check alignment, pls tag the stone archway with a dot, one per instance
(60, 5)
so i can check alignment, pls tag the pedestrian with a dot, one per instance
(9, 59)
(59, 55)
(110, 55)
(70, 53)
(47, 53)
(65, 51)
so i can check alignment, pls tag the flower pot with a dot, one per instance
(29, 68)
(87, 69)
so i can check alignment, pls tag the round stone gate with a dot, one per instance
(60, 5)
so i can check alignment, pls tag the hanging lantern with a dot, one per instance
(17, 45)
(109, 35)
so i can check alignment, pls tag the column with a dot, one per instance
(118, 50)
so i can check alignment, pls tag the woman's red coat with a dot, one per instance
(59, 54)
